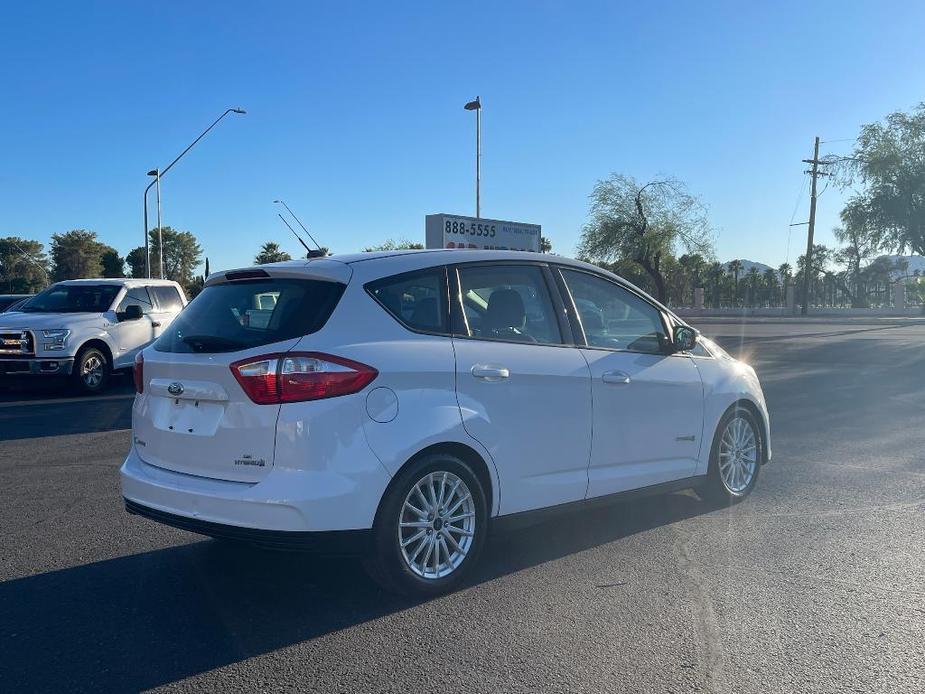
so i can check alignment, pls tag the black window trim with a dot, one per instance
(458, 316)
(576, 319)
(370, 287)
(152, 305)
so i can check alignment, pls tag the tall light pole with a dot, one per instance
(158, 173)
(477, 107)
(160, 235)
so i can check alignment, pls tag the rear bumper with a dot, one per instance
(31, 366)
(330, 542)
(286, 501)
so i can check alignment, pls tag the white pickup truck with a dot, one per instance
(85, 329)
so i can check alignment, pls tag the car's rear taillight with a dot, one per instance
(300, 376)
(138, 373)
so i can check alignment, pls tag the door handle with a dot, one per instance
(617, 377)
(155, 324)
(490, 373)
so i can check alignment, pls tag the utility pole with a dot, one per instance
(814, 172)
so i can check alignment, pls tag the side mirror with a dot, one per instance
(132, 312)
(684, 338)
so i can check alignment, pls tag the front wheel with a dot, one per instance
(736, 456)
(430, 527)
(91, 370)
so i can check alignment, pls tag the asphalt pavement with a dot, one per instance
(816, 583)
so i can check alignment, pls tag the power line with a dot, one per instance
(796, 207)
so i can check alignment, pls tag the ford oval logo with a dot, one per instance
(175, 388)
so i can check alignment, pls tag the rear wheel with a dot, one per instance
(91, 370)
(430, 527)
(736, 456)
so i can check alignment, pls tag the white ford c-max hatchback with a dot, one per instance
(398, 404)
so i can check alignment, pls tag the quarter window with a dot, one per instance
(418, 299)
(613, 317)
(507, 302)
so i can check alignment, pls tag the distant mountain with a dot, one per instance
(916, 262)
(748, 265)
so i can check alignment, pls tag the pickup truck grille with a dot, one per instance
(16, 342)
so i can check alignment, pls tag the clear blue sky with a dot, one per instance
(355, 112)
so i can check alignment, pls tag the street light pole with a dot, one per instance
(477, 107)
(160, 233)
(157, 173)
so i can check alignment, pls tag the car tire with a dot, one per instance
(92, 371)
(430, 527)
(735, 457)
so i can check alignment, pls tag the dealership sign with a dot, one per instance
(453, 231)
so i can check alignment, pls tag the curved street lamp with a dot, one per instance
(158, 174)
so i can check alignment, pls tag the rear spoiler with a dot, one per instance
(324, 269)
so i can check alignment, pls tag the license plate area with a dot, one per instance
(185, 416)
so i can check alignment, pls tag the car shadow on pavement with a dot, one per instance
(149, 619)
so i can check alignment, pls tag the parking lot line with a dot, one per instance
(65, 401)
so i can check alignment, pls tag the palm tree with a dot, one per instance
(716, 272)
(771, 286)
(785, 270)
(752, 282)
(735, 267)
(270, 253)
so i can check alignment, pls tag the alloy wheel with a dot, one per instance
(436, 525)
(738, 455)
(91, 371)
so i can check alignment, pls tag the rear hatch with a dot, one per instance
(193, 414)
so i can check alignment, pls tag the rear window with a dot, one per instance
(168, 298)
(239, 315)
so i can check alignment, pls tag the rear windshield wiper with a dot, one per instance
(203, 343)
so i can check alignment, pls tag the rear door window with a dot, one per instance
(168, 298)
(418, 300)
(232, 316)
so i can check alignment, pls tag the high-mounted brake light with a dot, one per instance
(300, 376)
(138, 372)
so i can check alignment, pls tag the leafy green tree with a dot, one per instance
(182, 254)
(76, 254)
(862, 242)
(889, 162)
(821, 257)
(136, 262)
(113, 264)
(390, 245)
(23, 265)
(644, 223)
(270, 252)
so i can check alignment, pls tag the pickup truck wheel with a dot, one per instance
(91, 370)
